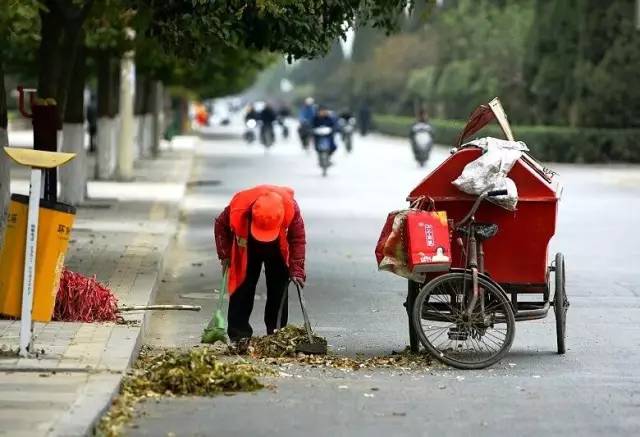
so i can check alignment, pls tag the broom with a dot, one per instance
(216, 330)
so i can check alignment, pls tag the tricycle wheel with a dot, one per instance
(458, 337)
(560, 303)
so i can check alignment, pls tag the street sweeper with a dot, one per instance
(260, 226)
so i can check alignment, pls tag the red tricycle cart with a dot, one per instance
(500, 273)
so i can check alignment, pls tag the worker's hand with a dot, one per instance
(298, 281)
(226, 262)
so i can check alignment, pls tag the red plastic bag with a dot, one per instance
(429, 244)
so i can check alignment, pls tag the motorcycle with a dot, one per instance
(304, 132)
(250, 131)
(283, 127)
(421, 137)
(267, 136)
(324, 142)
(347, 127)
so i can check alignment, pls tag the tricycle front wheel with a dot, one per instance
(457, 336)
(560, 303)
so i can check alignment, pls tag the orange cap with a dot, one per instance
(267, 215)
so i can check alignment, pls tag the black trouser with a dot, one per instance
(241, 301)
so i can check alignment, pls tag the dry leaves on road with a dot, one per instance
(198, 371)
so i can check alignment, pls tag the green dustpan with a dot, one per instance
(216, 330)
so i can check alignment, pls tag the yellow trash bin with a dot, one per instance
(54, 228)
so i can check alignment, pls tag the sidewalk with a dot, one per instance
(121, 235)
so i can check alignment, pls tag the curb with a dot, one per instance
(102, 387)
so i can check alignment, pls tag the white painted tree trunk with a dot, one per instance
(73, 176)
(147, 132)
(156, 117)
(4, 183)
(106, 145)
(126, 132)
(136, 138)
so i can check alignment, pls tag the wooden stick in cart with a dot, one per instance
(159, 307)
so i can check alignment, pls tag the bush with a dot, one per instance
(547, 143)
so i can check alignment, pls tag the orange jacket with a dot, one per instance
(232, 233)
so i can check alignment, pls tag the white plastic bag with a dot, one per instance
(489, 171)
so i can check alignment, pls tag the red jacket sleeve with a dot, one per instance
(223, 234)
(297, 245)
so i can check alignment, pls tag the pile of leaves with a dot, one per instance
(197, 371)
(405, 360)
(84, 299)
(282, 343)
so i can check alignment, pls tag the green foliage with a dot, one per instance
(582, 58)
(548, 143)
(297, 28)
(19, 35)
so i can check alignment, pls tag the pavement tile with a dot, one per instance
(123, 246)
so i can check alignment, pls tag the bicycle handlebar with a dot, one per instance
(477, 203)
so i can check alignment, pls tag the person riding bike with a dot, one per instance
(324, 117)
(268, 117)
(252, 114)
(305, 116)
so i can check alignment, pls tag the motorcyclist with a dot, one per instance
(307, 111)
(305, 116)
(421, 136)
(252, 114)
(324, 117)
(268, 116)
(346, 123)
(284, 112)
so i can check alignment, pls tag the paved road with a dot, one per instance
(593, 390)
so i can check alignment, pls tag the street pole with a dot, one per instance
(126, 135)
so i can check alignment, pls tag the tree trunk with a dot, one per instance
(157, 117)
(138, 114)
(70, 45)
(106, 153)
(146, 116)
(49, 59)
(126, 132)
(73, 176)
(4, 159)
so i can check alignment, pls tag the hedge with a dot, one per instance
(547, 143)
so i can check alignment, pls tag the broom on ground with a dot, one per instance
(216, 330)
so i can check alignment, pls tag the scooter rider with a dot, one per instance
(252, 114)
(261, 225)
(324, 117)
(307, 112)
(268, 117)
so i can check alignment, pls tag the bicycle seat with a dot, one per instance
(482, 231)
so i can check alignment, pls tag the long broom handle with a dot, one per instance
(307, 324)
(159, 307)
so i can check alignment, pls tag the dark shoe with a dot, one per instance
(240, 346)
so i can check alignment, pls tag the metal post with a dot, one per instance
(26, 325)
(412, 294)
